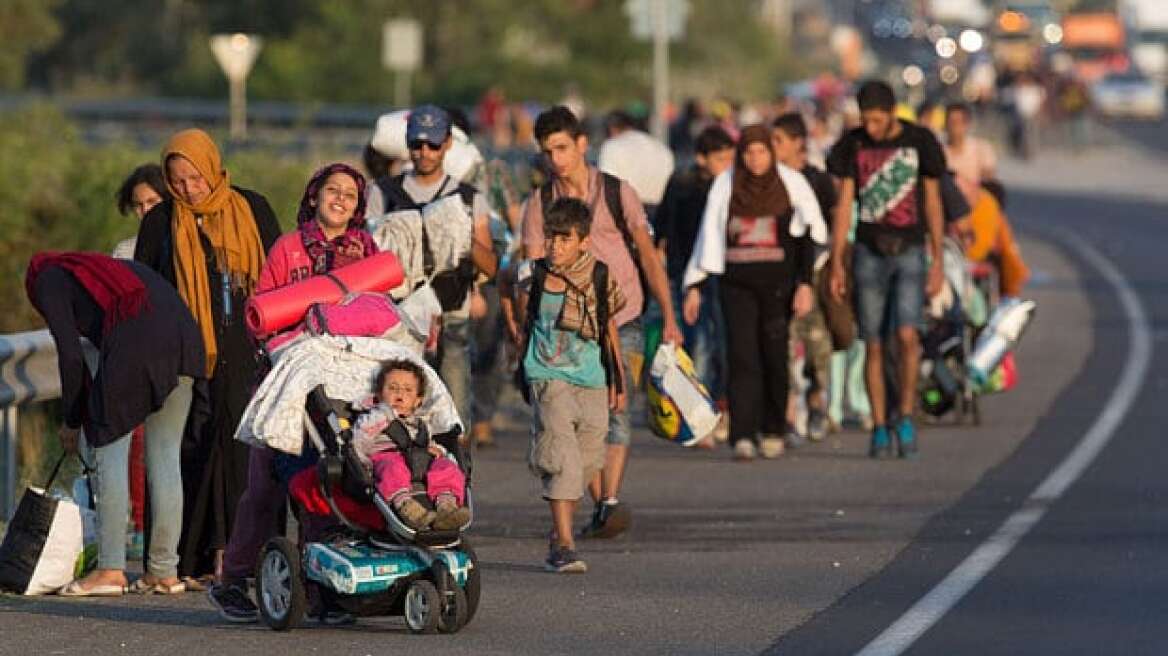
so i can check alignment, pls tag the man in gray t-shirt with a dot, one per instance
(428, 138)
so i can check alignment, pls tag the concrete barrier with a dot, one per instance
(28, 368)
(28, 374)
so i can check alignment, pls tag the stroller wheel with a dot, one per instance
(473, 581)
(280, 585)
(422, 607)
(454, 608)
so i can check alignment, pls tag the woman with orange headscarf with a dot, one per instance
(210, 241)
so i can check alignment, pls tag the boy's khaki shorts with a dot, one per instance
(568, 426)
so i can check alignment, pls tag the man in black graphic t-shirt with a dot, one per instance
(891, 168)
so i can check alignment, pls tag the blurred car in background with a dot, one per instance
(1128, 95)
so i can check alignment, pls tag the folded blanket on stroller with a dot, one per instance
(346, 366)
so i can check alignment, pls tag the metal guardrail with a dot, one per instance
(28, 374)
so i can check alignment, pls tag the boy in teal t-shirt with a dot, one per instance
(571, 362)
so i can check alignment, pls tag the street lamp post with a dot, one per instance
(659, 125)
(660, 21)
(236, 53)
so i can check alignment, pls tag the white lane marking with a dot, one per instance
(941, 599)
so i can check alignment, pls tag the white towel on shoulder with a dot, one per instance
(709, 254)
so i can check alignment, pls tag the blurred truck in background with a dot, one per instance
(1096, 43)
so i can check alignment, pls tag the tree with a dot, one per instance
(331, 51)
(26, 27)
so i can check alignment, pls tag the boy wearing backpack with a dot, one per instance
(571, 368)
(620, 238)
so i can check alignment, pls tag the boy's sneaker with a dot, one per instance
(413, 513)
(609, 519)
(881, 445)
(233, 603)
(906, 438)
(772, 446)
(450, 515)
(744, 450)
(817, 425)
(563, 560)
(792, 437)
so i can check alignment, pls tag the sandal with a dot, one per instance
(200, 584)
(75, 589)
(142, 586)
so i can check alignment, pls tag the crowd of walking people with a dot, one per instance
(788, 255)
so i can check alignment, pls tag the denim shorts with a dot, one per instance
(890, 290)
(632, 341)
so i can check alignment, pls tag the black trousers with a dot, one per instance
(757, 315)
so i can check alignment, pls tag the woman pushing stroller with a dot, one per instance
(330, 234)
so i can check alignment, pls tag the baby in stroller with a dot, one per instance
(396, 443)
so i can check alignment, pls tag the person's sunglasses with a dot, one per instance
(417, 145)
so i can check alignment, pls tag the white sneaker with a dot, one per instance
(773, 447)
(744, 450)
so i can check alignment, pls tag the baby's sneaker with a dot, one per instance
(414, 514)
(451, 516)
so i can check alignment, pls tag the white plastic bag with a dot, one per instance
(680, 408)
(999, 337)
(422, 314)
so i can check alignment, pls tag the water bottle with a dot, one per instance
(226, 288)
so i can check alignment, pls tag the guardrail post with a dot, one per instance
(8, 441)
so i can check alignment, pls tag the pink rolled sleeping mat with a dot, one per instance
(279, 308)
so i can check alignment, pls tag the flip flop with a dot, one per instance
(142, 586)
(201, 584)
(75, 589)
(177, 587)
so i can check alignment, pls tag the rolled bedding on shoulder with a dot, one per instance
(280, 308)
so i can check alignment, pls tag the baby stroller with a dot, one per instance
(370, 563)
(945, 384)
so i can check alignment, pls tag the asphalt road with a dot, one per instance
(815, 553)
(1149, 134)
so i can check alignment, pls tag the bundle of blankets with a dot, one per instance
(447, 226)
(347, 367)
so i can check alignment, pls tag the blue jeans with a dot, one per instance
(632, 341)
(890, 290)
(486, 365)
(704, 340)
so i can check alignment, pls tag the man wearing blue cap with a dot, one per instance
(428, 138)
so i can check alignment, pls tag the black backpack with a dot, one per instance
(539, 273)
(451, 287)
